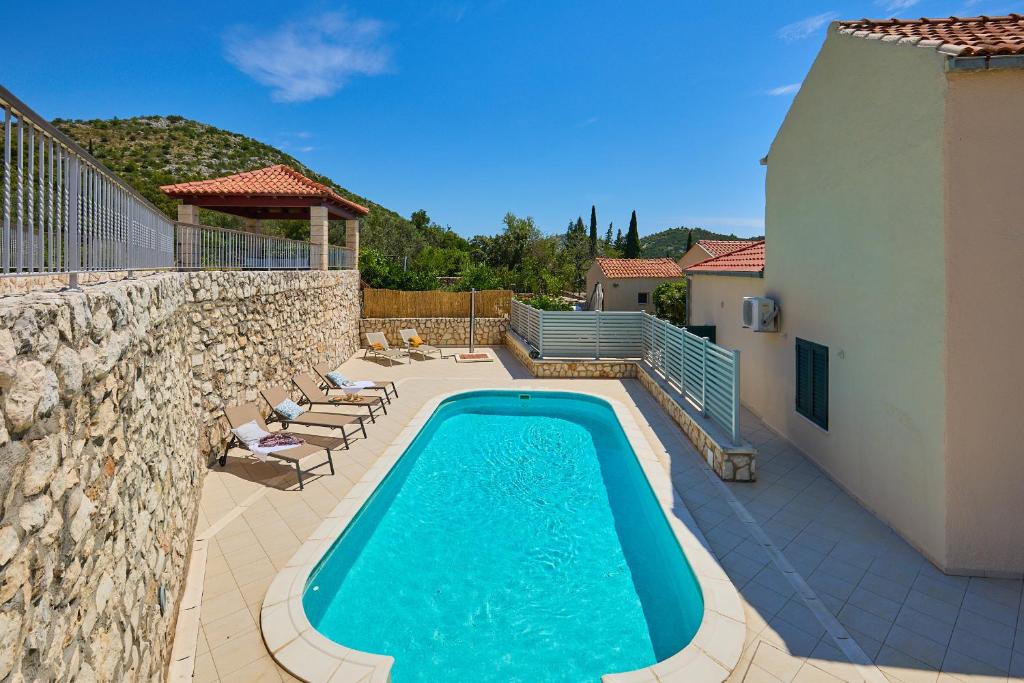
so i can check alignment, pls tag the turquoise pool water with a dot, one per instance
(516, 540)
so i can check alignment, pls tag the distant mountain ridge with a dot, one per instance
(671, 243)
(150, 151)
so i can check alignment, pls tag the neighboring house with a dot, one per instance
(895, 209)
(629, 283)
(705, 249)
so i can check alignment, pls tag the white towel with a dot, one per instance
(261, 453)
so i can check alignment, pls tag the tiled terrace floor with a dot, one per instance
(913, 622)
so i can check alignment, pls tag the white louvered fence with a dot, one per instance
(706, 374)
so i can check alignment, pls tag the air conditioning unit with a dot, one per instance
(760, 314)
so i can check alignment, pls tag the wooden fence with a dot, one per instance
(392, 303)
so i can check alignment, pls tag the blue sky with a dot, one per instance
(467, 109)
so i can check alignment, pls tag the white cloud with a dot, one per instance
(896, 5)
(304, 60)
(783, 90)
(805, 27)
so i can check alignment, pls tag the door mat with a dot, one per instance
(473, 358)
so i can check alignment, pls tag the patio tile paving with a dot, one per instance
(913, 622)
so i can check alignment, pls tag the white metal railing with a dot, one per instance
(706, 374)
(63, 212)
(340, 257)
(203, 247)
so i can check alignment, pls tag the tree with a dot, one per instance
(620, 243)
(593, 231)
(420, 219)
(576, 253)
(689, 240)
(631, 249)
(608, 236)
(670, 301)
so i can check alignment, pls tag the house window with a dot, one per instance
(812, 381)
(641, 298)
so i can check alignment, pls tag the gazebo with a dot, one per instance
(273, 193)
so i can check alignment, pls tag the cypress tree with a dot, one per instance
(632, 247)
(593, 231)
(608, 236)
(689, 240)
(620, 243)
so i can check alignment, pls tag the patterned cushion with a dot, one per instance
(415, 340)
(338, 379)
(289, 409)
(377, 346)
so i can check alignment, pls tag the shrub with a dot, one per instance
(670, 301)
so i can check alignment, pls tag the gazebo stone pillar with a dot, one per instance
(318, 229)
(187, 256)
(188, 213)
(352, 239)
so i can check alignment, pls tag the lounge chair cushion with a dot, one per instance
(339, 380)
(289, 409)
(250, 432)
(377, 346)
(415, 340)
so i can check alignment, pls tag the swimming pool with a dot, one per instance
(516, 538)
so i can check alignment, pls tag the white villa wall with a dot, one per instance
(854, 220)
(984, 284)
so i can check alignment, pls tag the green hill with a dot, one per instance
(672, 242)
(150, 151)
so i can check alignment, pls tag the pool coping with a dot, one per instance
(305, 653)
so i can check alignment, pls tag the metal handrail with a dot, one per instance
(206, 247)
(64, 212)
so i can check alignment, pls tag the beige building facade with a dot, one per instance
(629, 284)
(895, 225)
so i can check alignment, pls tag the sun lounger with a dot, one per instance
(410, 336)
(312, 394)
(246, 413)
(276, 395)
(386, 386)
(377, 345)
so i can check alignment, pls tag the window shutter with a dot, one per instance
(804, 374)
(819, 411)
(812, 381)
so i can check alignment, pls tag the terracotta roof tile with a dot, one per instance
(639, 267)
(723, 247)
(749, 259)
(272, 181)
(981, 36)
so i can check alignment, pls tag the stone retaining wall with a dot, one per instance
(730, 463)
(111, 404)
(437, 331)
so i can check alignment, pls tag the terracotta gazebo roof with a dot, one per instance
(271, 192)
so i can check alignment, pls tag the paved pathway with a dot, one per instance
(907, 620)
